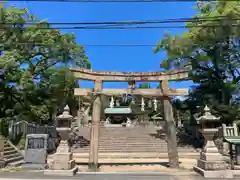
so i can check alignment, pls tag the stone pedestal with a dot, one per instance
(62, 163)
(211, 163)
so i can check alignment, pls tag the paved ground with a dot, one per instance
(120, 176)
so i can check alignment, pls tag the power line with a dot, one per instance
(127, 27)
(163, 21)
(118, 45)
(118, 1)
(125, 24)
(91, 45)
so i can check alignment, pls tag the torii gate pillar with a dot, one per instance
(95, 127)
(170, 126)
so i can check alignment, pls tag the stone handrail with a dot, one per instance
(24, 127)
(12, 145)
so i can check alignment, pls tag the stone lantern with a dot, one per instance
(211, 163)
(64, 123)
(62, 162)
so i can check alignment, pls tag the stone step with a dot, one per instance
(130, 139)
(10, 151)
(164, 148)
(129, 148)
(134, 154)
(137, 141)
(16, 163)
(130, 144)
(117, 161)
(109, 143)
(14, 159)
(9, 148)
(147, 137)
(127, 151)
(6, 145)
(12, 155)
(121, 150)
(125, 146)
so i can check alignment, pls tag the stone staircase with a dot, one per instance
(12, 155)
(126, 140)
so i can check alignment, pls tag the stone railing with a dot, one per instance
(24, 128)
(224, 131)
(227, 130)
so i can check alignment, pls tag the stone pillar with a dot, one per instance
(131, 85)
(2, 162)
(79, 113)
(94, 133)
(85, 115)
(170, 127)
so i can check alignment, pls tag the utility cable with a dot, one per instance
(88, 45)
(118, 1)
(163, 21)
(127, 27)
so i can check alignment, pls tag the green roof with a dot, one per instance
(118, 111)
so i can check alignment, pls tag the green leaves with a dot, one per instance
(29, 55)
(211, 47)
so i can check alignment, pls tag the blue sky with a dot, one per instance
(116, 58)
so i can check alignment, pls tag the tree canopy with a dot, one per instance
(211, 48)
(34, 61)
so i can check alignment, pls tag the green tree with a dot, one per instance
(211, 48)
(34, 85)
(144, 85)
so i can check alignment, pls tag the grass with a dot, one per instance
(93, 168)
(12, 169)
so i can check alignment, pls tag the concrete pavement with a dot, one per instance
(101, 176)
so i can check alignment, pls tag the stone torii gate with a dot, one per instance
(132, 77)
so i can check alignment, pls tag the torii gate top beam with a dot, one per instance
(87, 74)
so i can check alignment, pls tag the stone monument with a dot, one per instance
(62, 163)
(211, 163)
(35, 151)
